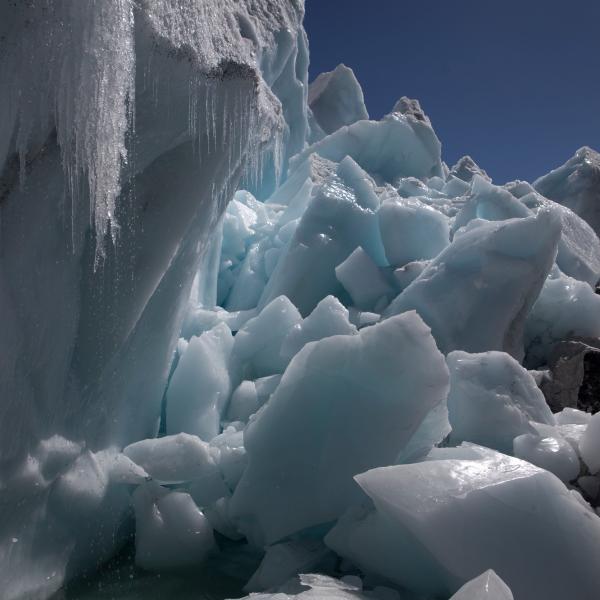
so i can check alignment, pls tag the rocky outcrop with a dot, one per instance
(574, 377)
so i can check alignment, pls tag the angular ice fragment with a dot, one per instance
(400, 145)
(489, 202)
(257, 346)
(579, 248)
(170, 531)
(344, 404)
(575, 185)
(174, 458)
(330, 317)
(231, 455)
(333, 226)
(201, 384)
(336, 99)
(589, 446)
(571, 432)
(363, 280)
(492, 399)
(552, 453)
(488, 586)
(565, 309)
(412, 231)
(360, 181)
(440, 523)
(121, 469)
(496, 269)
(466, 168)
(243, 402)
(573, 416)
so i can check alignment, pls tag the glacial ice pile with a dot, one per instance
(253, 328)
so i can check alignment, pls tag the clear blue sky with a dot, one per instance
(515, 84)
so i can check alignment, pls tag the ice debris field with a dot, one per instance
(382, 382)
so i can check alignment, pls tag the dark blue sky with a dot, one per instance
(515, 84)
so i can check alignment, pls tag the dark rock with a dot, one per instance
(574, 377)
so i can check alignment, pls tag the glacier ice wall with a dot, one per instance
(125, 128)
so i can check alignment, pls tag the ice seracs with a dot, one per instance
(336, 99)
(576, 185)
(471, 279)
(437, 524)
(492, 399)
(247, 304)
(345, 404)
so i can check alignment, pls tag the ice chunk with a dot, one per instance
(198, 320)
(174, 458)
(466, 169)
(364, 281)
(440, 523)
(488, 586)
(589, 446)
(330, 317)
(333, 225)
(249, 396)
(579, 248)
(489, 202)
(345, 403)
(573, 416)
(566, 309)
(231, 455)
(570, 432)
(575, 185)
(433, 430)
(243, 402)
(412, 231)
(170, 531)
(552, 453)
(360, 181)
(283, 561)
(402, 144)
(257, 346)
(201, 385)
(336, 99)
(121, 469)
(492, 399)
(497, 269)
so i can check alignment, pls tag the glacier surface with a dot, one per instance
(254, 342)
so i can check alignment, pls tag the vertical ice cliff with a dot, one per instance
(125, 128)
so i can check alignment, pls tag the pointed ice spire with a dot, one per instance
(576, 185)
(466, 168)
(336, 99)
(412, 107)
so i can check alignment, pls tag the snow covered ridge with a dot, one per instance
(338, 372)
